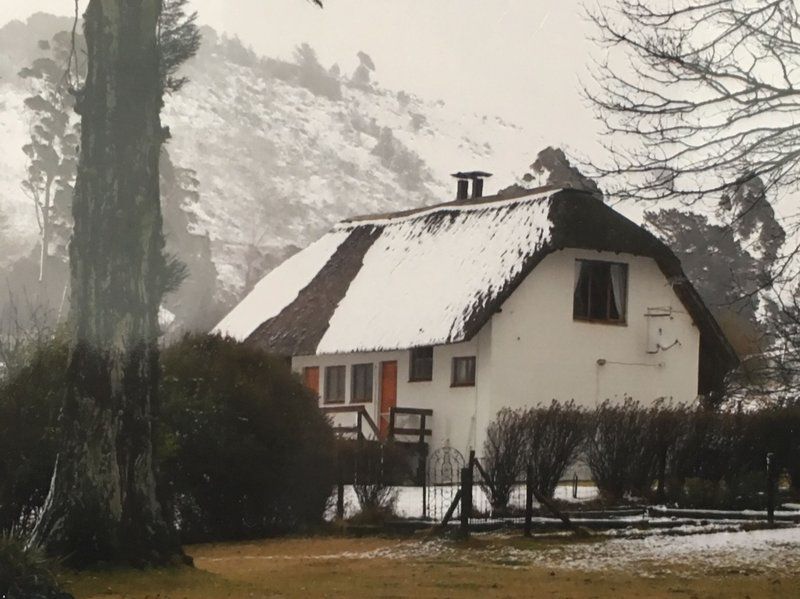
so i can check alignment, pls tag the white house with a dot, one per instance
(454, 311)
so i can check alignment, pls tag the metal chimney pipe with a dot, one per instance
(463, 189)
(477, 188)
(464, 178)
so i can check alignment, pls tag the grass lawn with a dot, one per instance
(382, 567)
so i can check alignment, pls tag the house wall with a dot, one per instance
(541, 353)
(454, 408)
(532, 351)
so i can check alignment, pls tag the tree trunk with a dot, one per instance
(102, 504)
(45, 249)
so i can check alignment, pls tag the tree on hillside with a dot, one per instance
(179, 40)
(102, 503)
(53, 148)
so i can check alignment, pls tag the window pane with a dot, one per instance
(600, 290)
(463, 371)
(334, 384)
(421, 362)
(362, 383)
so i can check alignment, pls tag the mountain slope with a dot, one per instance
(281, 150)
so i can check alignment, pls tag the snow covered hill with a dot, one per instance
(281, 150)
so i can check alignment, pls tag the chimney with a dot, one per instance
(464, 178)
(463, 189)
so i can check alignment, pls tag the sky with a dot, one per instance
(522, 60)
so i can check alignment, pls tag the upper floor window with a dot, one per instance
(463, 372)
(421, 364)
(334, 384)
(601, 291)
(362, 383)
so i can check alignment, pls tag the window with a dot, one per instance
(601, 290)
(463, 372)
(421, 364)
(362, 383)
(334, 384)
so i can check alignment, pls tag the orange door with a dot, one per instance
(311, 378)
(388, 394)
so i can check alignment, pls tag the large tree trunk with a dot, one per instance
(102, 504)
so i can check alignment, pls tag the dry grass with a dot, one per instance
(378, 567)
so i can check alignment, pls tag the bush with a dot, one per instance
(25, 573)
(244, 450)
(30, 400)
(615, 449)
(666, 427)
(554, 436)
(358, 460)
(372, 483)
(504, 456)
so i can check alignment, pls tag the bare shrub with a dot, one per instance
(504, 456)
(667, 429)
(376, 496)
(554, 436)
(614, 450)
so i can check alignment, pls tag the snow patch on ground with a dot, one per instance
(772, 552)
(409, 499)
(777, 549)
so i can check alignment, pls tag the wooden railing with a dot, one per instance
(362, 417)
(420, 432)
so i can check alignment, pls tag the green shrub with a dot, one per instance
(30, 400)
(25, 573)
(244, 450)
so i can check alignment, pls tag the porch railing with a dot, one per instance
(362, 419)
(420, 432)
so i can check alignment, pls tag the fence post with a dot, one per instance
(528, 500)
(575, 485)
(466, 498)
(340, 495)
(771, 488)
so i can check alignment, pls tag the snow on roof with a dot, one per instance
(279, 288)
(436, 275)
(424, 275)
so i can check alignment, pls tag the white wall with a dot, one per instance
(540, 353)
(453, 408)
(533, 351)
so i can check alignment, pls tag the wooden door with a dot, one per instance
(388, 394)
(311, 378)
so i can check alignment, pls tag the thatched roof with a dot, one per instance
(436, 275)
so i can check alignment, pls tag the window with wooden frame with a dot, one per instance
(421, 364)
(335, 384)
(463, 372)
(361, 377)
(601, 291)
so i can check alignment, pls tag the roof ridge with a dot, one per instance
(497, 200)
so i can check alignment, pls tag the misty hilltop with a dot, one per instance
(280, 149)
